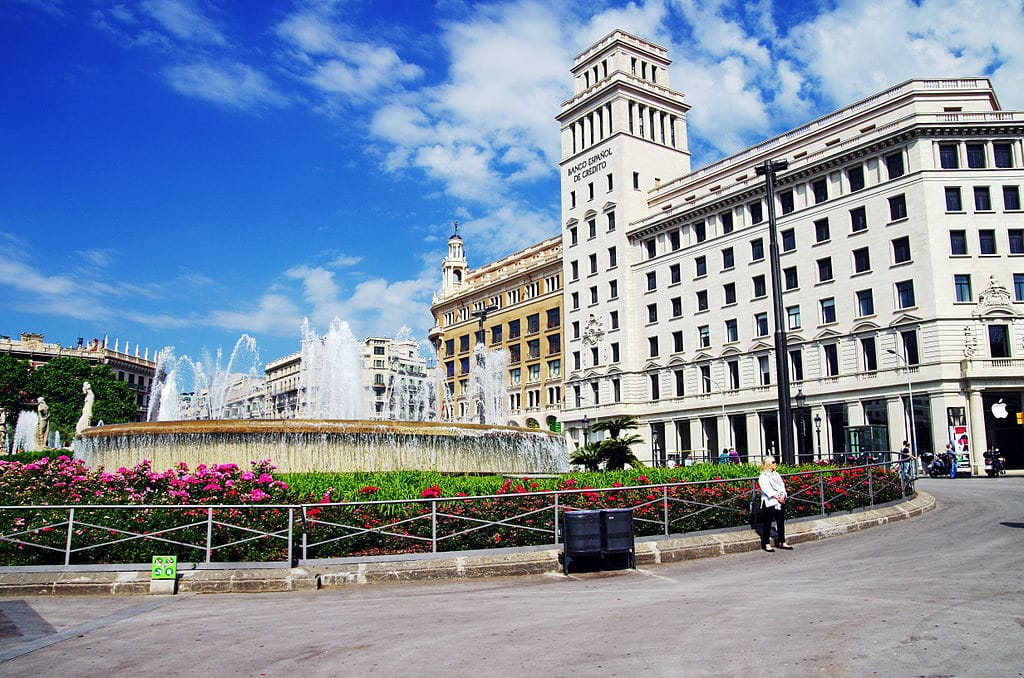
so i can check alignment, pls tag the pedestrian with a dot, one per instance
(908, 462)
(723, 458)
(734, 456)
(773, 506)
(950, 457)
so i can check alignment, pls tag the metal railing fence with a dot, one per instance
(224, 533)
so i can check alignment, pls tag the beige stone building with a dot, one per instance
(513, 305)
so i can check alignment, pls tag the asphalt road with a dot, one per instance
(938, 595)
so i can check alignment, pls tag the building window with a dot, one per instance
(652, 313)
(828, 311)
(680, 378)
(998, 341)
(651, 248)
(677, 307)
(757, 249)
(514, 353)
(732, 331)
(865, 303)
(953, 201)
(796, 364)
(655, 387)
(674, 274)
(1018, 286)
(982, 199)
(1003, 154)
(591, 226)
(574, 270)
(790, 279)
(858, 219)
(821, 231)
(905, 294)
(533, 323)
(825, 269)
(595, 358)
(819, 189)
(793, 317)
(861, 260)
(1011, 198)
(962, 287)
(613, 320)
(674, 241)
(726, 220)
(728, 260)
(855, 175)
(652, 281)
(677, 341)
(986, 241)
(515, 376)
(575, 329)
(957, 243)
(705, 379)
(700, 231)
(729, 293)
(1016, 240)
(615, 351)
(867, 349)
(702, 300)
(901, 250)
(593, 263)
(897, 207)
(574, 301)
(533, 373)
(611, 221)
(593, 294)
(652, 346)
(734, 374)
(701, 265)
(910, 352)
(760, 288)
(788, 240)
(756, 214)
(636, 181)
(573, 236)
(704, 336)
(831, 359)
(976, 156)
(761, 324)
(613, 257)
(948, 156)
(464, 342)
(786, 201)
(611, 182)
(894, 165)
(764, 369)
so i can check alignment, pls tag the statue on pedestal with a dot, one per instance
(43, 425)
(90, 399)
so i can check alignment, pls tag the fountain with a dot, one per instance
(332, 436)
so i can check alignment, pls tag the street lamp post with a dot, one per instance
(768, 171)
(801, 403)
(586, 430)
(910, 400)
(817, 432)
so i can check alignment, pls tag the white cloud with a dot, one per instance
(182, 19)
(862, 47)
(275, 314)
(344, 261)
(229, 84)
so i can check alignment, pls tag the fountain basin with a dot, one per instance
(306, 445)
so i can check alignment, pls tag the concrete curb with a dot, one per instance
(503, 564)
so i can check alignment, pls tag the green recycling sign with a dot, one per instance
(165, 567)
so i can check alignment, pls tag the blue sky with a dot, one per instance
(180, 172)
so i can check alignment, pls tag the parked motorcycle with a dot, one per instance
(995, 464)
(939, 466)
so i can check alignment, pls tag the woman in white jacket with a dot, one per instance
(773, 506)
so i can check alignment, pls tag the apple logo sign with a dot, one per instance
(999, 409)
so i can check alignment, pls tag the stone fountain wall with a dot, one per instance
(326, 445)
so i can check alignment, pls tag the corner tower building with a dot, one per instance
(622, 133)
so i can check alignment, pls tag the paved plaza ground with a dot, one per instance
(937, 595)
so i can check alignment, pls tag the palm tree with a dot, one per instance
(589, 457)
(616, 452)
(615, 425)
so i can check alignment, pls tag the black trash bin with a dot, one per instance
(617, 535)
(581, 535)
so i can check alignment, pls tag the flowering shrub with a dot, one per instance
(246, 512)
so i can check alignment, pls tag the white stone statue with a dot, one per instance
(43, 425)
(3, 430)
(90, 399)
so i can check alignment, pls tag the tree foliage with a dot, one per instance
(615, 425)
(60, 383)
(14, 375)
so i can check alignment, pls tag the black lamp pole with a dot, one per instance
(817, 432)
(768, 170)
